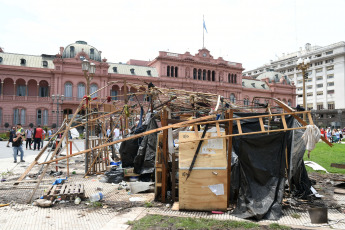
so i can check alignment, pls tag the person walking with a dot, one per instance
(18, 146)
(12, 135)
(28, 135)
(38, 137)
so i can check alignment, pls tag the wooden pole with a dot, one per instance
(178, 125)
(67, 147)
(126, 102)
(164, 123)
(229, 130)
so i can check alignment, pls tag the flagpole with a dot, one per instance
(203, 21)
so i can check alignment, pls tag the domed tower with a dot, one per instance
(82, 50)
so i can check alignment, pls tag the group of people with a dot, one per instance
(31, 135)
(333, 136)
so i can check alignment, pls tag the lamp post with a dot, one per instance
(303, 65)
(59, 101)
(89, 70)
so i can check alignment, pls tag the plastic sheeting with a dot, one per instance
(144, 162)
(258, 169)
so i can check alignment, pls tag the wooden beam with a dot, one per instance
(239, 126)
(229, 129)
(178, 125)
(165, 154)
(261, 124)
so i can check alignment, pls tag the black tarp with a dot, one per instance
(258, 169)
(144, 162)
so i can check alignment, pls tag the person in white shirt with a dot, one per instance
(28, 135)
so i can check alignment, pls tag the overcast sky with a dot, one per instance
(251, 32)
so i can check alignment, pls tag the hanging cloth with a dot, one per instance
(311, 136)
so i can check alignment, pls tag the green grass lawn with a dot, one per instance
(325, 155)
(171, 222)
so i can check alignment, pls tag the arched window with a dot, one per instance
(246, 102)
(199, 74)
(81, 90)
(213, 76)
(68, 91)
(229, 76)
(114, 92)
(209, 75)
(21, 89)
(168, 71)
(71, 52)
(204, 75)
(235, 79)
(194, 74)
(172, 71)
(289, 104)
(93, 88)
(0, 116)
(232, 98)
(39, 117)
(176, 71)
(43, 89)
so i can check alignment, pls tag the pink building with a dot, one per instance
(28, 82)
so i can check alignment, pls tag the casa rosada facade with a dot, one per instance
(28, 81)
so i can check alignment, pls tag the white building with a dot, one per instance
(325, 86)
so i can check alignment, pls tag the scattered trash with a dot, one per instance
(99, 189)
(137, 187)
(59, 181)
(134, 199)
(96, 197)
(3, 205)
(74, 172)
(115, 175)
(167, 205)
(77, 200)
(217, 212)
(43, 203)
(315, 166)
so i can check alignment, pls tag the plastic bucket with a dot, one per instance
(318, 215)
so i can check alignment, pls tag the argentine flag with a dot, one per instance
(204, 25)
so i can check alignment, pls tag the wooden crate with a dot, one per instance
(194, 194)
(65, 191)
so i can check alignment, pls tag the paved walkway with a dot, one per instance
(117, 208)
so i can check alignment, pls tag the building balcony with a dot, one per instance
(24, 98)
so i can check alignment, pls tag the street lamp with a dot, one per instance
(304, 65)
(58, 98)
(89, 70)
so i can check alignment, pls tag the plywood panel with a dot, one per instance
(194, 194)
(212, 152)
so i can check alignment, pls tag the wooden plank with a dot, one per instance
(310, 119)
(261, 124)
(229, 115)
(218, 129)
(208, 156)
(196, 132)
(239, 127)
(284, 121)
(339, 166)
(165, 155)
(179, 125)
(194, 194)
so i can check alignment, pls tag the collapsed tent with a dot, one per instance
(258, 173)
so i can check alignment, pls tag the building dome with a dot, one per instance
(274, 77)
(81, 46)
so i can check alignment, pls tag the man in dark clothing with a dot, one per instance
(12, 135)
(38, 132)
(17, 146)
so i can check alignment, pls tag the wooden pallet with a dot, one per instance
(65, 191)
